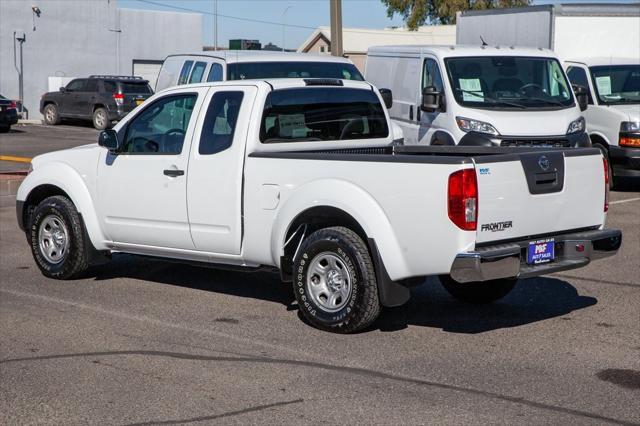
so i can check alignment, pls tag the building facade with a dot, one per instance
(78, 38)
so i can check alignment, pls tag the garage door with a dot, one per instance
(147, 69)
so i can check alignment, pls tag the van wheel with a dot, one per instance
(478, 292)
(334, 281)
(51, 115)
(57, 238)
(101, 119)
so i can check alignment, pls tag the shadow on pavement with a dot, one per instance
(530, 301)
(627, 184)
(430, 305)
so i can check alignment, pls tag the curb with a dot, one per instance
(30, 121)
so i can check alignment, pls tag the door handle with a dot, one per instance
(173, 172)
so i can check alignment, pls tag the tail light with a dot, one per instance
(119, 98)
(606, 184)
(13, 105)
(462, 194)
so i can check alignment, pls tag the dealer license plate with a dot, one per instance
(541, 251)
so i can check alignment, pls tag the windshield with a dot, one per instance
(288, 69)
(509, 82)
(617, 84)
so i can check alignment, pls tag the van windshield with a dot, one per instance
(617, 84)
(291, 69)
(509, 82)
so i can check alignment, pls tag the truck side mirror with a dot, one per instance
(432, 100)
(582, 96)
(109, 139)
(63, 89)
(387, 97)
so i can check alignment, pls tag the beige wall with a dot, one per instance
(318, 45)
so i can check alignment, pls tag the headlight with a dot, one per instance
(630, 126)
(576, 126)
(468, 125)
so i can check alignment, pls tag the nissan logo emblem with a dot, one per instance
(543, 162)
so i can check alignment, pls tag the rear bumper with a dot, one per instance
(509, 260)
(625, 161)
(9, 117)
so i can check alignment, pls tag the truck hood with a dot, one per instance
(78, 157)
(526, 123)
(628, 112)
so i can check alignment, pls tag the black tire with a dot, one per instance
(361, 306)
(4, 129)
(73, 255)
(51, 115)
(478, 292)
(605, 154)
(101, 119)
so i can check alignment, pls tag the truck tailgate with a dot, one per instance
(536, 193)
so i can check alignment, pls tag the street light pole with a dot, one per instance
(284, 24)
(215, 24)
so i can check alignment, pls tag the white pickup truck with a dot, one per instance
(303, 176)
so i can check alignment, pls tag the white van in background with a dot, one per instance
(613, 113)
(479, 95)
(251, 64)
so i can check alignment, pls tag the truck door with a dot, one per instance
(142, 191)
(215, 176)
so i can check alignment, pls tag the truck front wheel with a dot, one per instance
(335, 282)
(478, 292)
(57, 238)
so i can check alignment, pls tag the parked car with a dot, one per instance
(8, 114)
(100, 98)
(301, 175)
(468, 95)
(613, 113)
(251, 64)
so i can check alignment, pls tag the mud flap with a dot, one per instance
(391, 293)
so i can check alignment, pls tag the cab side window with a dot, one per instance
(92, 85)
(215, 73)
(578, 76)
(184, 73)
(220, 122)
(161, 127)
(431, 75)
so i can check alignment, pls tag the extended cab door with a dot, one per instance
(214, 190)
(142, 191)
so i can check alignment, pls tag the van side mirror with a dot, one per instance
(63, 90)
(432, 100)
(582, 96)
(109, 139)
(387, 97)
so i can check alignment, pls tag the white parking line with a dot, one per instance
(624, 201)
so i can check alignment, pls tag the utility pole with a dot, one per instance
(284, 24)
(336, 27)
(215, 24)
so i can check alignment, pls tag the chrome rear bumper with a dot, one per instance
(509, 260)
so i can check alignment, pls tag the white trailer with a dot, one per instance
(571, 30)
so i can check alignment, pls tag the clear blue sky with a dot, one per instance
(305, 13)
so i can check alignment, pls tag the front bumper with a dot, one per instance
(575, 140)
(625, 161)
(509, 260)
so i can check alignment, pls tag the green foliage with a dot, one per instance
(418, 12)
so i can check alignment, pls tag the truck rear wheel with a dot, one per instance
(335, 282)
(57, 240)
(478, 292)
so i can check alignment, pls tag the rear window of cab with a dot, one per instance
(322, 114)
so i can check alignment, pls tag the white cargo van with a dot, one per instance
(613, 113)
(479, 95)
(251, 64)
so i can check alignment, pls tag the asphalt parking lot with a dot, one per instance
(141, 341)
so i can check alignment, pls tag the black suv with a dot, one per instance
(100, 98)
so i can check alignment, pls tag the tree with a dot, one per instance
(418, 12)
